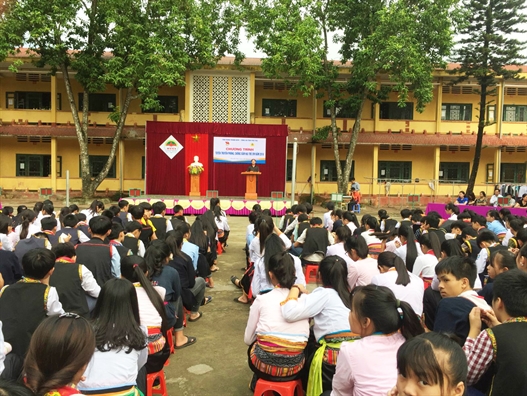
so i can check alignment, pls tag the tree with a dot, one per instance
(134, 45)
(403, 39)
(487, 51)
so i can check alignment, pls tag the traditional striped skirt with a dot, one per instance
(277, 357)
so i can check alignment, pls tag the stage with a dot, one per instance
(482, 210)
(233, 206)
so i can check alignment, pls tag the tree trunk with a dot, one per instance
(479, 141)
(344, 180)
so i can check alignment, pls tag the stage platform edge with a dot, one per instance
(233, 206)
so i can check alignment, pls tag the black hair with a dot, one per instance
(182, 226)
(496, 216)
(289, 211)
(38, 207)
(337, 213)
(358, 244)
(459, 224)
(38, 262)
(252, 217)
(272, 245)
(522, 235)
(213, 202)
(114, 209)
(350, 216)
(504, 259)
(343, 233)
(333, 272)
(100, 225)
(28, 216)
(158, 207)
(481, 220)
(417, 217)
(73, 208)
(281, 265)
(302, 217)
(330, 205)
(309, 207)
(516, 224)
(452, 247)
(266, 212)
(64, 250)
(116, 319)
(41, 235)
(503, 212)
(197, 235)
(12, 388)
(157, 254)
(132, 226)
(177, 209)
(510, 287)
(391, 260)
(174, 240)
(465, 215)
(265, 228)
(486, 236)
(81, 216)
(459, 267)
(301, 208)
(7, 210)
(145, 205)
(95, 206)
(258, 209)
(48, 208)
(387, 313)
(115, 231)
(383, 214)
(419, 356)
(315, 221)
(469, 231)
(411, 249)
(406, 213)
(48, 223)
(108, 213)
(137, 212)
(134, 269)
(123, 203)
(431, 220)
(452, 207)
(20, 209)
(63, 213)
(372, 222)
(217, 212)
(4, 224)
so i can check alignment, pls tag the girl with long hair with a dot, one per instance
(198, 236)
(95, 209)
(409, 249)
(223, 226)
(197, 253)
(495, 224)
(120, 342)
(395, 276)
(27, 227)
(368, 366)
(328, 305)
(61, 348)
(424, 266)
(161, 274)
(276, 347)
(151, 310)
(337, 249)
(363, 268)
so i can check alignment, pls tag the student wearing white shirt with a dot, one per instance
(27, 227)
(424, 265)
(350, 220)
(338, 249)
(452, 211)
(370, 225)
(327, 221)
(394, 275)
(363, 267)
(409, 249)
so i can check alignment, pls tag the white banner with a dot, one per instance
(239, 150)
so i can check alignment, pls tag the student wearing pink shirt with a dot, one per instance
(363, 268)
(368, 367)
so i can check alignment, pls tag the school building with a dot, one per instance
(396, 145)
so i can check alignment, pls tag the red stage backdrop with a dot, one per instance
(165, 176)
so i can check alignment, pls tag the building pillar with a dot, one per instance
(376, 114)
(185, 114)
(53, 99)
(498, 115)
(497, 166)
(252, 97)
(54, 164)
(313, 168)
(439, 107)
(437, 161)
(374, 169)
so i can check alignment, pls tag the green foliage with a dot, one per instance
(322, 133)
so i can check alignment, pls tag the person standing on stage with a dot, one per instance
(253, 167)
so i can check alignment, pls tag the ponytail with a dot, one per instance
(333, 273)
(28, 216)
(134, 268)
(391, 260)
(411, 248)
(431, 241)
(410, 324)
(265, 228)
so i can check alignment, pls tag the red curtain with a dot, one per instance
(170, 177)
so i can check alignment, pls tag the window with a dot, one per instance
(98, 102)
(28, 165)
(513, 173)
(514, 113)
(29, 100)
(395, 171)
(169, 104)
(328, 170)
(454, 172)
(341, 111)
(97, 163)
(456, 112)
(491, 113)
(392, 111)
(278, 108)
(289, 170)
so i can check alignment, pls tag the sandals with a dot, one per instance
(236, 281)
(190, 341)
(206, 300)
(214, 268)
(195, 319)
(240, 302)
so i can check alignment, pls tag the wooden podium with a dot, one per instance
(250, 185)
(194, 186)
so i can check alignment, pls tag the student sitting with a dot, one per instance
(314, 241)
(479, 223)
(58, 354)
(488, 243)
(303, 224)
(223, 226)
(502, 344)
(363, 268)
(70, 228)
(276, 347)
(196, 246)
(82, 225)
(5, 230)
(98, 256)
(35, 241)
(26, 303)
(326, 219)
(10, 268)
(500, 262)
(350, 220)
(116, 238)
(338, 249)
(131, 239)
(74, 282)
(27, 226)
(424, 265)
(49, 227)
(368, 366)
(336, 218)
(161, 224)
(516, 225)
(141, 215)
(328, 305)
(456, 281)
(409, 249)
(495, 224)
(430, 364)
(121, 343)
(95, 209)
(178, 216)
(125, 217)
(370, 226)
(430, 223)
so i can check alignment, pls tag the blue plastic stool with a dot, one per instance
(356, 208)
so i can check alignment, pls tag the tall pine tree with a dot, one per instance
(489, 50)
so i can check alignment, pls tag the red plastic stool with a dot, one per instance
(150, 378)
(311, 273)
(289, 388)
(219, 248)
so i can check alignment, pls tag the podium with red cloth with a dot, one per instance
(250, 184)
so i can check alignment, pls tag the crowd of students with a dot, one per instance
(90, 300)
(416, 306)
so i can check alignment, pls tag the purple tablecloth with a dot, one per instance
(482, 210)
